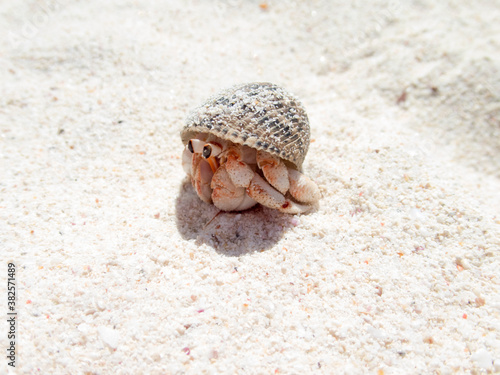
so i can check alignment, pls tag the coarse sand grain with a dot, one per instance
(121, 269)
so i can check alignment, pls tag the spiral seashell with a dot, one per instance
(259, 115)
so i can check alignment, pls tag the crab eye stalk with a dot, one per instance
(195, 146)
(211, 150)
(207, 151)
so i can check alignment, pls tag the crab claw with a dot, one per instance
(302, 187)
(226, 195)
(266, 195)
(201, 177)
(274, 171)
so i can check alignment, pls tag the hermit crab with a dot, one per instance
(245, 146)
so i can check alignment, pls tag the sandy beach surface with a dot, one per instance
(120, 268)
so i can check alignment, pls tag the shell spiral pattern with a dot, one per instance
(260, 115)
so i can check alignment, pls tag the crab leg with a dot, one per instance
(201, 177)
(274, 171)
(266, 195)
(302, 187)
(226, 195)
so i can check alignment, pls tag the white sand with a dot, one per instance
(118, 273)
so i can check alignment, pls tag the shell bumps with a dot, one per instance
(262, 116)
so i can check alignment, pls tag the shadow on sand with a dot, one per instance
(229, 233)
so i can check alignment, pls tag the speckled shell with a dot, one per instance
(259, 115)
